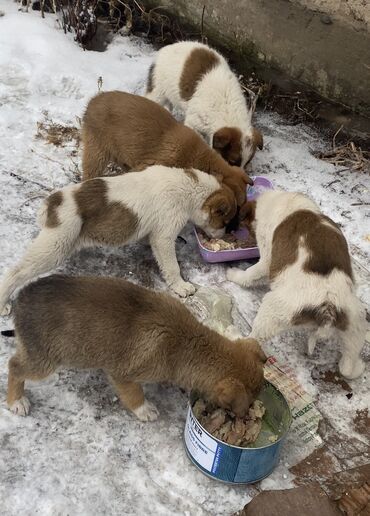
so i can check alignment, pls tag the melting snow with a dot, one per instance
(79, 452)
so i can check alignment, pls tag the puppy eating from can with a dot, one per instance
(113, 211)
(135, 335)
(134, 132)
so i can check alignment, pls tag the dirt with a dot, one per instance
(362, 422)
(330, 377)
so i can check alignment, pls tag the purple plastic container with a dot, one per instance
(260, 185)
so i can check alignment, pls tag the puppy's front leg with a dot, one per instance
(248, 277)
(164, 251)
(132, 397)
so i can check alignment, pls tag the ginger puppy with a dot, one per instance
(113, 211)
(135, 335)
(306, 258)
(135, 132)
(198, 80)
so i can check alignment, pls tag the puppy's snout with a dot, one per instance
(215, 233)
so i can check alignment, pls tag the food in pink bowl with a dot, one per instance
(237, 245)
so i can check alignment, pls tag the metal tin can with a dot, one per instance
(235, 464)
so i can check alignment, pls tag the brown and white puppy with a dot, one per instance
(113, 211)
(135, 132)
(198, 80)
(305, 255)
(135, 335)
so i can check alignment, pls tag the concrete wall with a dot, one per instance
(321, 45)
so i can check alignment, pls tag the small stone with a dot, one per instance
(324, 18)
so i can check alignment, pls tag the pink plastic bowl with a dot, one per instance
(260, 185)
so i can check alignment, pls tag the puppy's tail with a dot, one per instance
(8, 333)
(327, 314)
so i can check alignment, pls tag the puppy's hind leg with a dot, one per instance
(20, 368)
(46, 252)
(16, 400)
(273, 317)
(132, 397)
(94, 158)
(353, 337)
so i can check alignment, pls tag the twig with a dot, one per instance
(49, 159)
(26, 180)
(332, 182)
(360, 204)
(203, 39)
(336, 134)
(37, 196)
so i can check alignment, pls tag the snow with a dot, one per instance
(79, 452)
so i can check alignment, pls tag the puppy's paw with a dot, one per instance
(20, 407)
(6, 310)
(351, 369)
(311, 344)
(237, 276)
(183, 288)
(146, 412)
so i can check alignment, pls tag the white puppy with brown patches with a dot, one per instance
(113, 211)
(306, 258)
(195, 78)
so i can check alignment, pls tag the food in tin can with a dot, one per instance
(228, 242)
(224, 425)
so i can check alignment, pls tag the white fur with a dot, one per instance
(146, 412)
(294, 289)
(164, 200)
(218, 100)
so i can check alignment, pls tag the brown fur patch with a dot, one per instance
(53, 202)
(133, 334)
(257, 138)
(247, 214)
(199, 62)
(221, 207)
(190, 173)
(324, 314)
(325, 243)
(150, 80)
(103, 222)
(228, 142)
(135, 132)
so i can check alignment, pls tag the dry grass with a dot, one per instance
(84, 17)
(347, 154)
(58, 134)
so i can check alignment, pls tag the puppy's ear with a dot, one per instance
(220, 207)
(254, 347)
(247, 213)
(230, 394)
(221, 138)
(257, 138)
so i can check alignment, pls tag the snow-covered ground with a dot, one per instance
(79, 452)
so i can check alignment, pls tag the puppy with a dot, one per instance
(305, 255)
(135, 132)
(135, 335)
(197, 79)
(113, 211)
